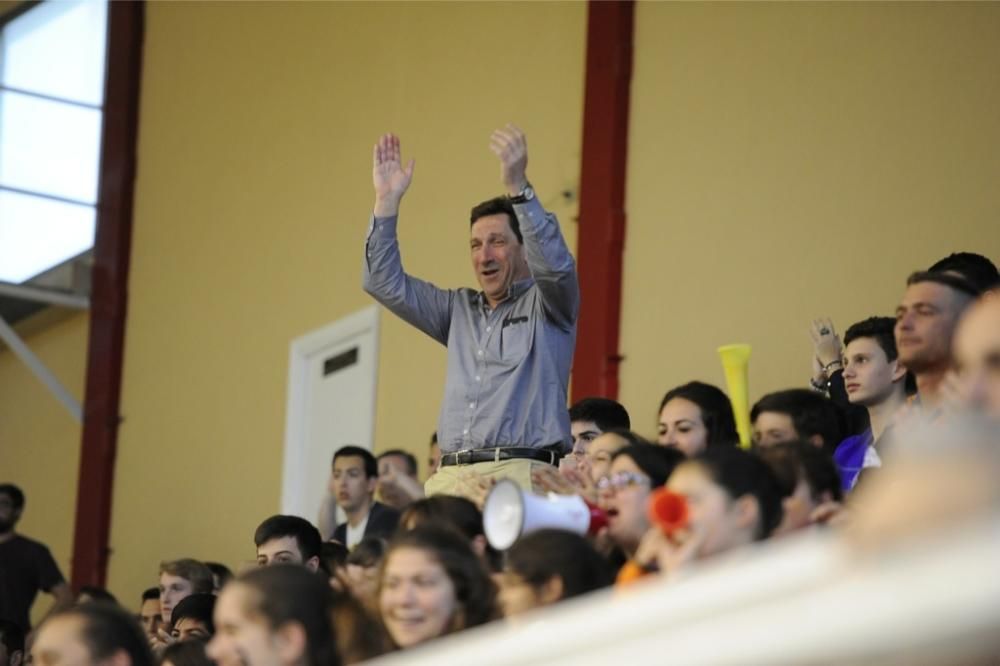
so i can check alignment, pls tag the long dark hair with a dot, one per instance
(475, 593)
(741, 473)
(716, 411)
(541, 555)
(292, 593)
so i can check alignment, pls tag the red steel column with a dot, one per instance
(602, 197)
(109, 294)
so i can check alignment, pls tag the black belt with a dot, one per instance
(551, 455)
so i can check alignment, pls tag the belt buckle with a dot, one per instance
(459, 454)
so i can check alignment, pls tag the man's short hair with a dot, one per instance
(193, 571)
(975, 268)
(955, 282)
(97, 594)
(196, 607)
(220, 571)
(811, 414)
(497, 206)
(150, 594)
(796, 461)
(879, 329)
(15, 494)
(411, 461)
(186, 653)
(108, 629)
(605, 413)
(333, 555)
(371, 465)
(11, 637)
(368, 552)
(306, 535)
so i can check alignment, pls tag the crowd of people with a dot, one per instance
(409, 561)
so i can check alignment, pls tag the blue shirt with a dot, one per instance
(508, 369)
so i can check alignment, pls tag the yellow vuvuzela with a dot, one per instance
(735, 360)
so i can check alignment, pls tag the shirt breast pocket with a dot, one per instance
(515, 340)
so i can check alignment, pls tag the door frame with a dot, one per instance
(301, 349)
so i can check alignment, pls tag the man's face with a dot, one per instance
(349, 484)
(600, 452)
(241, 639)
(172, 590)
(393, 465)
(149, 616)
(8, 514)
(189, 628)
(497, 256)
(774, 428)
(584, 432)
(283, 550)
(60, 643)
(925, 321)
(977, 355)
(869, 376)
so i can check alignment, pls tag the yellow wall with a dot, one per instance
(252, 200)
(40, 441)
(792, 160)
(786, 161)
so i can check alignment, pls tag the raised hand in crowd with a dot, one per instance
(827, 350)
(390, 178)
(510, 145)
(669, 554)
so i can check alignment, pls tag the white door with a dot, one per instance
(331, 402)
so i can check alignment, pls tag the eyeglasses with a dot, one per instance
(622, 480)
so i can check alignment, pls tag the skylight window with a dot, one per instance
(52, 61)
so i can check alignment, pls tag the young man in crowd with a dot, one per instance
(975, 268)
(180, 579)
(797, 414)
(93, 633)
(353, 482)
(925, 323)
(149, 612)
(977, 356)
(26, 566)
(221, 574)
(874, 379)
(192, 618)
(288, 540)
(398, 483)
(808, 479)
(591, 417)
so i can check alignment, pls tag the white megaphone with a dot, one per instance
(510, 513)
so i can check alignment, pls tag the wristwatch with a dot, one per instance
(526, 194)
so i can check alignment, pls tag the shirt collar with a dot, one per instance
(515, 291)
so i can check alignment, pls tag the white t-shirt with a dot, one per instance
(355, 534)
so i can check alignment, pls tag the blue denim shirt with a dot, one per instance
(508, 369)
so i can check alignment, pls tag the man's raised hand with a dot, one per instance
(511, 147)
(390, 177)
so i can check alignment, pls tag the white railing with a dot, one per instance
(809, 599)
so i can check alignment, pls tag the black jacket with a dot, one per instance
(381, 523)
